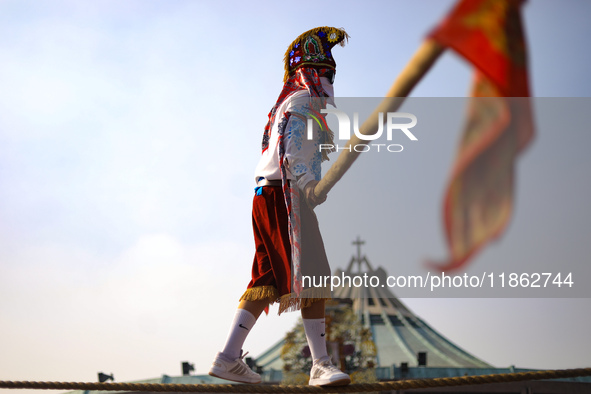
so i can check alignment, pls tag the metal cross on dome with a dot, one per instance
(358, 242)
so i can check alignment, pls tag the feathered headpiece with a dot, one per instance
(313, 49)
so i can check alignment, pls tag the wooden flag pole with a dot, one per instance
(416, 68)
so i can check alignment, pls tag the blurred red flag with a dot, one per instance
(479, 197)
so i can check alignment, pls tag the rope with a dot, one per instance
(250, 388)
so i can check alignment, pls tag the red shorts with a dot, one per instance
(271, 269)
(272, 258)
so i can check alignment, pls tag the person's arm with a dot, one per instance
(302, 154)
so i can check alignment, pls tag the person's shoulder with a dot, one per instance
(300, 95)
(299, 99)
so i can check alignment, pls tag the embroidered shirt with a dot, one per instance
(303, 155)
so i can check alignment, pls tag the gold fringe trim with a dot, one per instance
(291, 302)
(288, 302)
(261, 293)
(342, 37)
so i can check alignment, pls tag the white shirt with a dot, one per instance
(303, 156)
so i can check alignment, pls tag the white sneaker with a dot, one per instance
(323, 373)
(235, 370)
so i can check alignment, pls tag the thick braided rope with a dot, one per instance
(249, 388)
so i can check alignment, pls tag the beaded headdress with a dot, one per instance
(313, 49)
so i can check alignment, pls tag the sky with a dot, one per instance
(129, 134)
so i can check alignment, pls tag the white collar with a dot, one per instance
(329, 89)
(327, 86)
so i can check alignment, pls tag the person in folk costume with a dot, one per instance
(287, 237)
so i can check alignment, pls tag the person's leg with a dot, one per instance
(228, 363)
(314, 311)
(272, 258)
(246, 316)
(314, 325)
(254, 307)
(323, 372)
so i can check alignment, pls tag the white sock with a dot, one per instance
(241, 326)
(315, 334)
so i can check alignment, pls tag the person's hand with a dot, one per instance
(311, 198)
